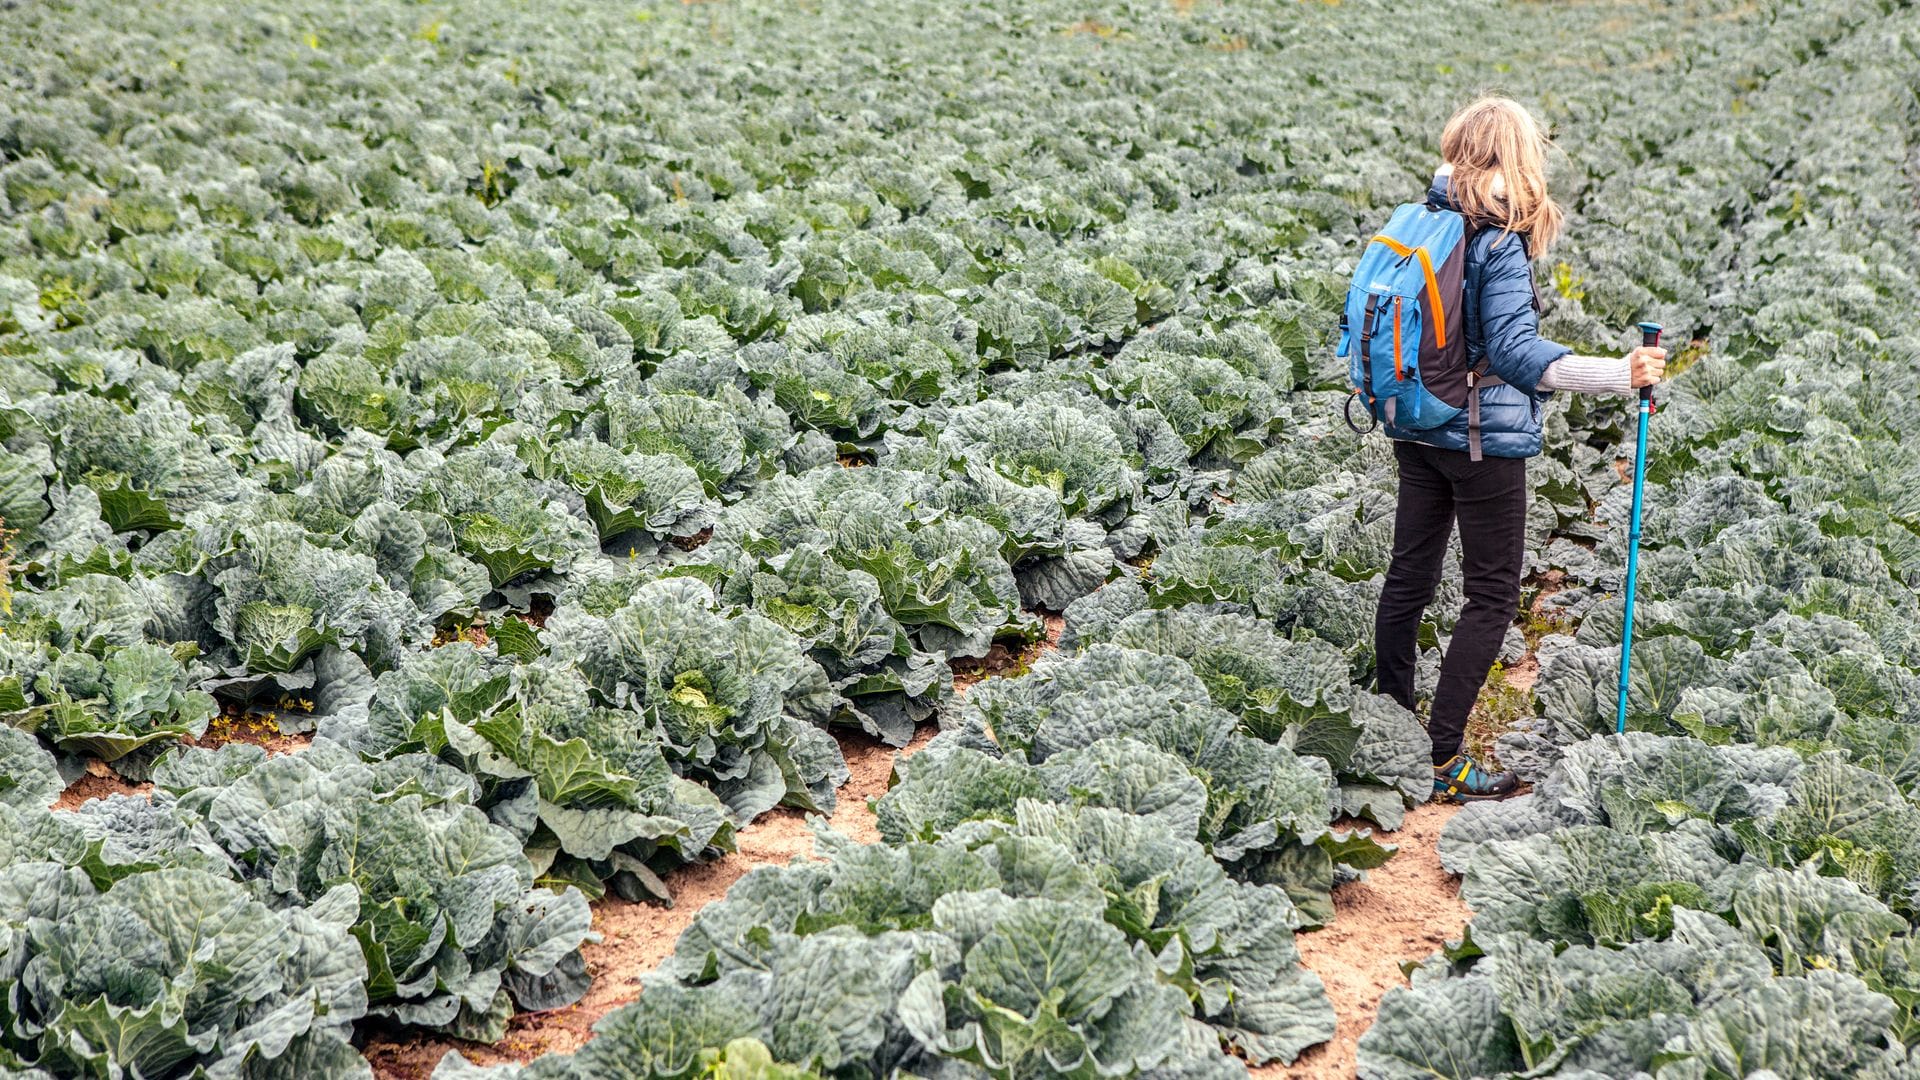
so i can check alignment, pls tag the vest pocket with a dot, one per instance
(1421, 411)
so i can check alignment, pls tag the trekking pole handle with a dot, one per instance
(1650, 337)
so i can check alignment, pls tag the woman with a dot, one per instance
(1495, 175)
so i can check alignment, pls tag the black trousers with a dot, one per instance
(1489, 500)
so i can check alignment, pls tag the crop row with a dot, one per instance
(1729, 888)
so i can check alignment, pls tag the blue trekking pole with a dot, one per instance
(1649, 336)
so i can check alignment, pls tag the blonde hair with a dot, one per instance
(1499, 159)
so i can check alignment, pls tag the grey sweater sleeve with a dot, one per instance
(1589, 375)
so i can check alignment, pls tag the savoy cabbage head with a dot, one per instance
(443, 908)
(731, 695)
(589, 790)
(135, 945)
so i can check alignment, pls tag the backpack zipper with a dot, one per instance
(1398, 373)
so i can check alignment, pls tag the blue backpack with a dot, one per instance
(1404, 332)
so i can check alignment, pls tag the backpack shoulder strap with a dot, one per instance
(1533, 282)
(1481, 375)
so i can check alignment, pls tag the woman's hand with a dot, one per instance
(1648, 365)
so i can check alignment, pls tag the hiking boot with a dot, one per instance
(1462, 779)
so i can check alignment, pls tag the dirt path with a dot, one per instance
(635, 938)
(1403, 911)
(98, 782)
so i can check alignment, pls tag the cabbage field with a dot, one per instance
(555, 430)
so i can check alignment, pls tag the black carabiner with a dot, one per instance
(1346, 413)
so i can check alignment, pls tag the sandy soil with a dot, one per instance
(1403, 911)
(1002, 662)
(635, 938)
(99, 782)
(684, 543)
(1524, 672)
(267, 738)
